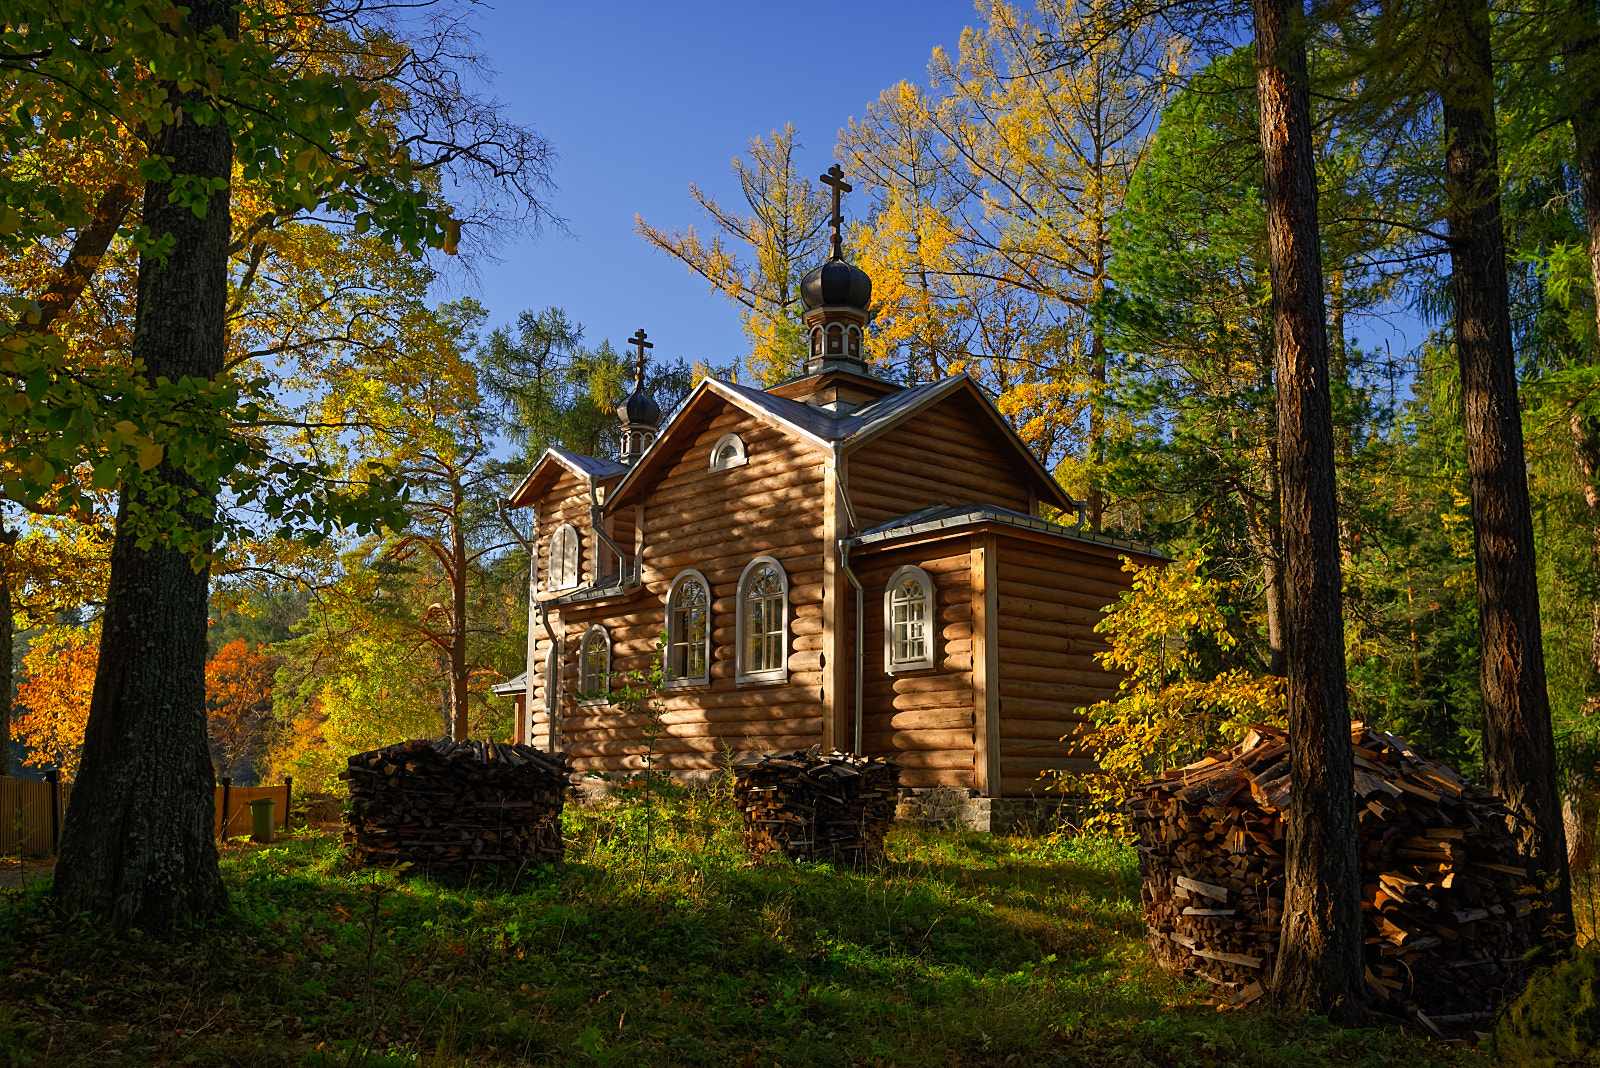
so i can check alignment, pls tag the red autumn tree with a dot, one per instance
(57, 683)
(238, 703)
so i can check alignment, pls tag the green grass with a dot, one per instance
(962, 950)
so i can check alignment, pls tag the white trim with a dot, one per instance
(686, 575)
(929, 628)
(738, 460)
(768, 675)
(583, 669)
(565, 581)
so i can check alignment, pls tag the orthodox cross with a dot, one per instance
(639, 339)
(835, 179)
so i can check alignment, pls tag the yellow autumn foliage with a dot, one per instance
(1170, 708)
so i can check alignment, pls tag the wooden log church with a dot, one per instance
(837, 559)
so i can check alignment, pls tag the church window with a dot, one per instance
(855, 342)
(689, 630)
(728, 452)
(835, 340)
(908, 621)
(763, 622)
(816, 341)
(594, 667)
(563, 562)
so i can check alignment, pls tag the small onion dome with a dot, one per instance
(836, 282)
(639, 408)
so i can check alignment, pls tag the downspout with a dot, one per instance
(849, 573)
(600, 531)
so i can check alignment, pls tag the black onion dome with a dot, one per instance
(640, 407)
(837, 282)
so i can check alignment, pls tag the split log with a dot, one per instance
(807, 805)
(1443, 898)
(456, 808)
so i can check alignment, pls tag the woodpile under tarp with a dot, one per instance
(456, 808)
(811, 805)
(1445, 902)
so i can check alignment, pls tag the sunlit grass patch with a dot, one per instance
(962, 949)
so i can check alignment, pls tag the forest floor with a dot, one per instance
(963, 949)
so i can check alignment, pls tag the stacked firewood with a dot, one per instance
(456, 808)
(1446, 904)
(811, 805)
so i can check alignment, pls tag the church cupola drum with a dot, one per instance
(836, 296)
(639, 415)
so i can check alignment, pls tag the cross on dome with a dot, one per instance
(639, 339)
(835, 180)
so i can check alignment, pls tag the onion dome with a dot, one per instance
(836, 283)
(639, 408)
(639, 415)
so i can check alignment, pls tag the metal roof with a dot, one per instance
(511, 686)
(948, 517)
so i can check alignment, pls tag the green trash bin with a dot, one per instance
(261, 819)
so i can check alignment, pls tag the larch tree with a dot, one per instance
(1320, 963)
(1518, 740)
(757, 260)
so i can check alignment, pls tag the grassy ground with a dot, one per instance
(962, 950)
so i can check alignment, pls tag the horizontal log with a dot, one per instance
(880, 686)
(690, 489)
(958, 632)
(668, 746)
(1037, 591)
(923, 719)
(890, 469)
(927, 778)
(588, 729)
(1021, 766)
(956, 662)
(1040, 729)
(805, 661)
(1028, 786)
(919, 741)
(1022, 652)
(879, 703)
(1021, 565)
(727, 695)
(686, 548)
(741, 504)
(1071, 696)
(941, 759)
(1065, 674)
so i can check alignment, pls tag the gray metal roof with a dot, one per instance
(593, 466)
(510, 686)
(827, 426)
(947, 517)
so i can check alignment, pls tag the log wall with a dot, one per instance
(946, 454)
(922, 720)
(1050, 598)
(715, 522)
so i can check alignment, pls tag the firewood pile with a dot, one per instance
(1445, 902)
(456, 808)
(812, 805)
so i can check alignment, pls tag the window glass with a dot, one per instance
(687, 631)
(594, 664)
(763, 621)
(909, 620)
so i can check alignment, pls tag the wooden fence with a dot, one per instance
(30, 814)
(30, 818)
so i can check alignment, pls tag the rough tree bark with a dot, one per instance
(1518, 743)
(459, 563)
(136, 845)
(8, 647)
(1320, 951)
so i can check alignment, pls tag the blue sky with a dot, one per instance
(640, 99)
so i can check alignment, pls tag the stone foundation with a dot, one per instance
(944, 805)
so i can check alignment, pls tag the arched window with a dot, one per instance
(816, 341)
(855, 341)
(908, 621)
(763, 622)
(727, 452)
(835, 340)
(689, 631)
(594, 667)
(563, 563)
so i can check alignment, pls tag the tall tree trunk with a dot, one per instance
(8, 646)
(1320, 950)
(458, 609)
(136, 845)
(1518, 743)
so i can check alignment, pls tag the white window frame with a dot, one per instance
(928, 659)
(686, 681)
(584, 680)
(561, 579)
(737, 461)
(768, 675)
